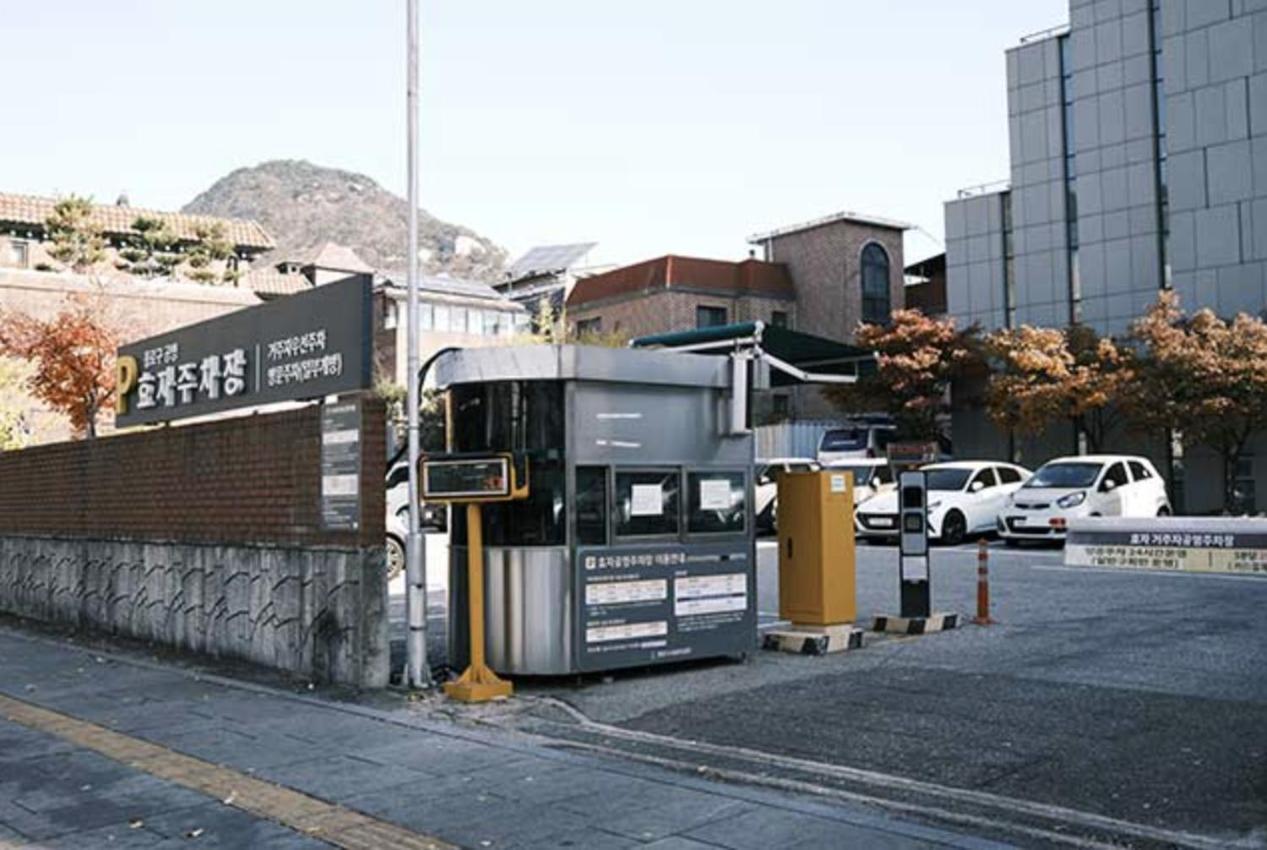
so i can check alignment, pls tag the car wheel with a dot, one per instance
(395, 557)
(1163, 511)
(954, 528)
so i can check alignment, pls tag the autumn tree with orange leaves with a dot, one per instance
(1046, 375)
(917, 358)
(73, 355)
(1205, 377)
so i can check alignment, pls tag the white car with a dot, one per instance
(433, 518)
(964, 498)
(767, 487)
(1089, 485)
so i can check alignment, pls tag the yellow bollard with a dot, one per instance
(477, 683)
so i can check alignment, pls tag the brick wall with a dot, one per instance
(205, 538)
(826, 267)
(249, 479)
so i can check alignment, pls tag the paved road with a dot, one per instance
(117, 751)
(1136, 696)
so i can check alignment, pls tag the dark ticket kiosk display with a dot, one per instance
(634, 545)
(913, 556)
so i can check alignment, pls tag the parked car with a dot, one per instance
(964, 498)
(1089, 485)
(856, 440)
(434, 518)
(766, 491)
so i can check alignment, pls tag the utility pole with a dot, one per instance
(417, 673)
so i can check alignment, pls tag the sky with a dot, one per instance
(650, 127)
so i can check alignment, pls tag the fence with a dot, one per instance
(205, 537)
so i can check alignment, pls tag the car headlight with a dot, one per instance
(932, 506)
(1072, 500)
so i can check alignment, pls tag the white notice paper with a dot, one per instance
(714, 494)
(648, 500)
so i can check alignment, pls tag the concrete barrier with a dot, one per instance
(1176, 544)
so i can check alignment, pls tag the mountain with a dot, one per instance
(304, 206)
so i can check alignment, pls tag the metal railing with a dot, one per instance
(1041, 35)
(984, 189)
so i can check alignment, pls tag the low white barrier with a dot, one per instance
(1179, 544)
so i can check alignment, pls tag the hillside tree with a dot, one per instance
(1045, 375)
(75, 240)
(917, 358)
(210, 246)
(1203, 376)
(150, 250)
(73, 360)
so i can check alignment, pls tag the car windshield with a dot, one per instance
(947, 479)
(861, 474)
(1065, 475)
(844, 439)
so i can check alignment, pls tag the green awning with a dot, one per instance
(808, 353)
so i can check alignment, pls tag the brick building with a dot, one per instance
(675, 293)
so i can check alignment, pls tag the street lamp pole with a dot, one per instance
(417, 673)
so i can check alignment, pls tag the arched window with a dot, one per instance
(875, 285)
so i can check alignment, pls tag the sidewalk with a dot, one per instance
(446, 783)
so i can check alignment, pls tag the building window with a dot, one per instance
(17, 253)
(426, 317)
(391, 314)
(1071, 175)
(589, 327)
(591, 505)
(710, 317)
(778, 319)
(875, 285)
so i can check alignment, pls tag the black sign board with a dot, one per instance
(654, 603)
(341, 466)
(474, 479)
(304, 346)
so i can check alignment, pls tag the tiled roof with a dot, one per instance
(332, 255)
(32, 210)
(270, 281)
(455, 286)
(748, 277)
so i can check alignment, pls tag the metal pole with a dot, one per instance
(417, 672)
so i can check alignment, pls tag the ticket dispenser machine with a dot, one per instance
(817, 569)
(913, 573)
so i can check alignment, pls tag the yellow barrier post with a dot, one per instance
(477, 683)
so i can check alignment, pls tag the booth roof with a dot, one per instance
(791, 346)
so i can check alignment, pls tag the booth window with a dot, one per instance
(875, 285)
(646, 504)
(524, 417)
(591, 505)
(717, 503)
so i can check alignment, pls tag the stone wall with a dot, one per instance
(314, 612)
(204, 537)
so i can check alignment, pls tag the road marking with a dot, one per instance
(1006, 806)
(329, 822)
(1142, 572)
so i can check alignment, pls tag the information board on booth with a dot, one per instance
(654, 603)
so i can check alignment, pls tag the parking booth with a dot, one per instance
(634, 545)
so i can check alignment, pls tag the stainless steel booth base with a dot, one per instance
(528, 610)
